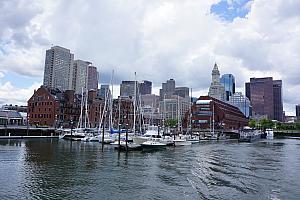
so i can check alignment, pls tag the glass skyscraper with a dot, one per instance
(228, 81)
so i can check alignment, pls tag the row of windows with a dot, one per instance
(41, 103)
(41, 115)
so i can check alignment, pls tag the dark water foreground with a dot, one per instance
(55, 169)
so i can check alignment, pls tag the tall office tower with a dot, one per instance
(182, 92)
(242, 102)
(216, 90)
(167, 90)
(58, 72)
(104, 91)
(228, 81)
(260, 93)
(277, 98)
(145, 87)
(298, 111)
(93, 78)
(127, 88)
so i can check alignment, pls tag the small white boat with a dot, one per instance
(76, 134)
(182, 142)
(153, 144)
(270, 134)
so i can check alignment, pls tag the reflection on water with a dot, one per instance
(55, 169)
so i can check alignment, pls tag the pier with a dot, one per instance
(20, 132)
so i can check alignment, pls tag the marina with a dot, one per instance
(33, 169)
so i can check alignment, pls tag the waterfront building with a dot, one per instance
(11, 118)
(209, 111)
(56, 108)
(145, 87)
(265, 95)
(228, 81)
(14, 107)
(241, 102)
(216, 90)
(85, 76)
(298, 111)
(58, 71)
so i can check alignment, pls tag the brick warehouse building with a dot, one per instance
(54, 108)
(225, 115)
(51, 107)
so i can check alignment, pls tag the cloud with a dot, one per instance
(158, 39)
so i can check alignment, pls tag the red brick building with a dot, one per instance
(208, 109)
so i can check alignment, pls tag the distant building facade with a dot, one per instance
(167, 90)
(145, 87)
(85, 76)
(58, 71)
(127, 88)
(228, 81)
(241, 102)
(298, 111)
(265, 95)
(104, 92)
(216, 90)
(182, 92)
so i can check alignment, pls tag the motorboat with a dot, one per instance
(76, 134)
(181, 142)
(270, 134)
(250, 135)
(153, 144)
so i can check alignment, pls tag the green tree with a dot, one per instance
(171, 123)
(266, 123)
(252, 123)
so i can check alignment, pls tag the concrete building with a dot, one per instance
(168, 89)
(298, 111)
(104, 91)
(216, 90)
(241, 102)
(277, 99)
(127, 88)
(145, 87)
(228, 81)
(85, 76)
(182, 92)
(265, 95)
(58, 71)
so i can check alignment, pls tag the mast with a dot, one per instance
(111, 102)
(178, 113)
(191, 106)
(81, 108)
(134, 102)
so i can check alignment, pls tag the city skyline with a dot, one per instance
(130, 37)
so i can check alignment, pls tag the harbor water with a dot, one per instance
(57, 169)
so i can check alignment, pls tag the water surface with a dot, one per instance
(57, 169)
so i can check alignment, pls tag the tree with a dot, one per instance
(252, 123)
(266, 123)
(171, 123)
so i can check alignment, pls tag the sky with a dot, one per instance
(157, 39)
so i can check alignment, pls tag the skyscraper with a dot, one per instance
(228, 81)
(298, 111)
(127, 88)
(167, 90)
(104, 91)
(242, 102)
(182, 92)
(58, 72)
(277, 98)
(145, 87)
(85, 76)
(216, 90)
(266, 97)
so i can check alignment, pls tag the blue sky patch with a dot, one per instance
(19, 80)
(228, 10)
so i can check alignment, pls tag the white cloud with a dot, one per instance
(157, 39)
